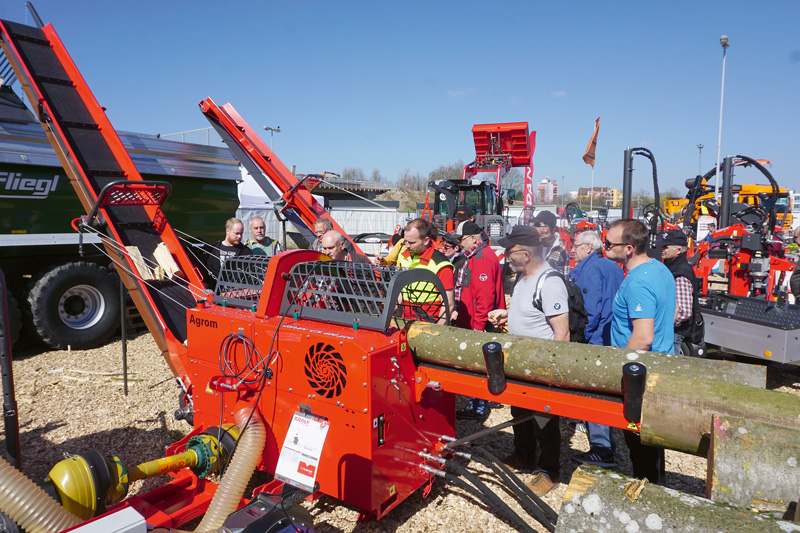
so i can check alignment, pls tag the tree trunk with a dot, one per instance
(753, 464)
(565, 364)
(596, 500)
(677, 412)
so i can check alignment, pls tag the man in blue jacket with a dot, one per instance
(598, 278)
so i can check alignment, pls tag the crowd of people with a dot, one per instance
(631, 301)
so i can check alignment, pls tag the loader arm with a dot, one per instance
(269, 172)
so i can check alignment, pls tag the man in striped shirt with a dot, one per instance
(688, 319)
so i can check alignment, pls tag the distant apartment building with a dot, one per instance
(546, 191)
(611, 197)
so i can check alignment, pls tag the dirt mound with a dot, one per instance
(408, 199)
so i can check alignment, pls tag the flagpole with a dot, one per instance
(591, 193)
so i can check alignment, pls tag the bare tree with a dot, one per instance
(411, 181)
(352, 173)
(376, 176)
(453, 171)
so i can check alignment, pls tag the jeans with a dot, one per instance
(600, 439)
(676, 345)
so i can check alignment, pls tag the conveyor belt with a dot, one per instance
(93, 155)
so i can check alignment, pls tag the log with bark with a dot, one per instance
(565, 364)
(601, 500)
(754, 464)
(677, 412)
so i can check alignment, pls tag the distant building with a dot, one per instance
(546, 191)
(611, 197)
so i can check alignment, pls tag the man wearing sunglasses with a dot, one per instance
(555, 254)
(598, 278)
(644, 309)
(550, 320)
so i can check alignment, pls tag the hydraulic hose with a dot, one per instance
(488, 496)
(529, 500)
(30, 506)
(248, 453)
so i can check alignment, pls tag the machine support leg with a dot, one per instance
(124, 335)
(10, 414)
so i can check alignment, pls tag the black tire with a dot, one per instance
(74, 304)
(14, 319)
(693, 350)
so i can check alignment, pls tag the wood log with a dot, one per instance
(677, 412)
(753, 464)
(600, 500)
(565, 364)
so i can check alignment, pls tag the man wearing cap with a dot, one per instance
(644, 309)
(478, 290)
(523, 251)
(452, 250)
(420, 252)
(688, 319)
(598, 278)
(463, 214)
(552, 247)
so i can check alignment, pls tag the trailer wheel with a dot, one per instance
(14, 320)
(74, 304)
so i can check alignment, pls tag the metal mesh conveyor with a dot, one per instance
(93, 155)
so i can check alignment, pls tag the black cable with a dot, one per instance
(502, 509)
(497, 503)
(484, 457)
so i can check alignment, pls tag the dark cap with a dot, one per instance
(463, 213)
(522, 235)
(450, 239)
(467, 227)
(545, 217)
(672, 237)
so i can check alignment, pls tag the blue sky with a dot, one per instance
(398, 85)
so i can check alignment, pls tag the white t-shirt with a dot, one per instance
(524, 318)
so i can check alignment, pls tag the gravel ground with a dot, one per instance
(72, 401)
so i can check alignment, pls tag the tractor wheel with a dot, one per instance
(74, 304)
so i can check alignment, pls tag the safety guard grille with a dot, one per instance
(370, 296)
(240, 281)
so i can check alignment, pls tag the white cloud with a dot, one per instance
(558, 94)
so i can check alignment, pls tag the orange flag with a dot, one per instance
(588, 157)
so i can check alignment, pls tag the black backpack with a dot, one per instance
(578, 319)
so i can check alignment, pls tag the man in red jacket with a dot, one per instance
(478, 290)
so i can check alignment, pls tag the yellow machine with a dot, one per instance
(755, 195)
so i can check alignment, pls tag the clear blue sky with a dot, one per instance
(398, 85)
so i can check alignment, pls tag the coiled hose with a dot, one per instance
(30, 506)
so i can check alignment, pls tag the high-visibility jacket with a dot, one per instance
(431, 259)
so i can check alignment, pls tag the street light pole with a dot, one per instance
(272, 131)
(724, 42)
(700, 160)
